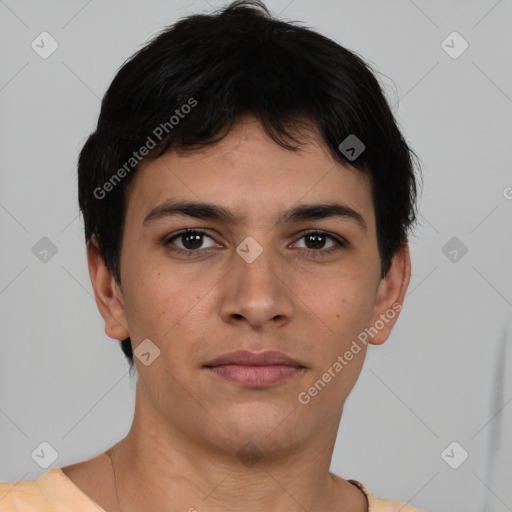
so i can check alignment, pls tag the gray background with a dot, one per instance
(444, 375)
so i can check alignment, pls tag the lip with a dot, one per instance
(261, 369)
(244, 357)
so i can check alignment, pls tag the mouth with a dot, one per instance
(255, 369)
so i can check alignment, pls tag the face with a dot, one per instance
(255, 278)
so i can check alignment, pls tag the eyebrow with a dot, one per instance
(210, 211)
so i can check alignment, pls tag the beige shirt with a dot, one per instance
(53, 491)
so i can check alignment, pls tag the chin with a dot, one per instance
(267, 428)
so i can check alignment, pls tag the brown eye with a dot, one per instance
(191, 240)
(315, 242)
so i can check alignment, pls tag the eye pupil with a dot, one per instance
(318, 244)
(197, 237)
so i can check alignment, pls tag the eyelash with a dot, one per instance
(341, 244)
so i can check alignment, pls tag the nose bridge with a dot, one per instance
(255, 288)
(255, 262)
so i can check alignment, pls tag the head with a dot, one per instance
(250, 115)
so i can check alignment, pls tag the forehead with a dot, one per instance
(252, 175)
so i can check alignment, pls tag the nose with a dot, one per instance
(258, 292)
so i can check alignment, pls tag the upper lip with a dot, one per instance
(244, 357)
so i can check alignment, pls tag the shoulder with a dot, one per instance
(52, 491)
(383, 505)
(20, 496)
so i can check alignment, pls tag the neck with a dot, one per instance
(158, 467)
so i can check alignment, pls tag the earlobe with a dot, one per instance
(390, 296)
(108, 297)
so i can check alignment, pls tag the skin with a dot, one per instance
(189, 424)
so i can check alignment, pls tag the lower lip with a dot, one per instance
(259, 376)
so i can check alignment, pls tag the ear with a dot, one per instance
(390, 296)
(107, 293)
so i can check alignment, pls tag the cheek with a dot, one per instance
(154, 304)
(345, 308)
(343, 303)
(169, 307)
